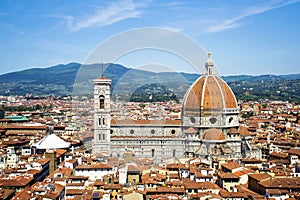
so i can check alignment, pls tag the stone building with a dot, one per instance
(208, 125)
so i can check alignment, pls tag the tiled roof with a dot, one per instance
(26, 127)
(282, 183)
(214, 134)
(279, 155)
(260, 176)
(164, 189)
(251, 160)
(145, 122)
(294, 151)
(95, 166)
(43, 161)
(5, 194)
(113, 186)
(226, 194)
(231, 165)
(209, 92)
(191, 130)
(201, 185)
(20, 181)
(244, 189)
(227, 175)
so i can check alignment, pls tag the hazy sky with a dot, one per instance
(245, 37)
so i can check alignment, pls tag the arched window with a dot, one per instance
(101, 101)
(152, 152)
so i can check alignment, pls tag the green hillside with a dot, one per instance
(128, 84)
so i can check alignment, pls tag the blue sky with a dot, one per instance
(245, 37)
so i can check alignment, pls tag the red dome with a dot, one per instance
(209, 92)
(214, 134)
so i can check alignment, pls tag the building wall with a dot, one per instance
(102, 103)
(93, 173)
(2, 161)
(156, 141)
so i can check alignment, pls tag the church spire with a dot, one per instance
(209, 65)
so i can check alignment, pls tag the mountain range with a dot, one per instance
(77, 79)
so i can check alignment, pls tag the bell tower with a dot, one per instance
(102, 115)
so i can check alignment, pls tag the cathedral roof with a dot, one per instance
(214, 134)
(191, 130)
(145, 122)
(209, 92)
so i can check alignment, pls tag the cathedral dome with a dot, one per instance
(213, 134)
(209, 92)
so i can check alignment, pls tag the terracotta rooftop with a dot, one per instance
(20, 181)
(281, 183)
(228, 175)
(95, 166)
(166, 190)
(233, 195)
(209, 92)
(145, 122)
(214, 134)
(231, 165)
(201, 185)
(279, 155)
(294, 151)
(43, 161)
(260, 176)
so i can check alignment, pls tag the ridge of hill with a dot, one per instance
(74, 78)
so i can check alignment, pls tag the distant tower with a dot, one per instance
(102, 115)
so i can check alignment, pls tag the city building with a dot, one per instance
(208, 126)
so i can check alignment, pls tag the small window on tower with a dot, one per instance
(101, 101)
(213, 120)
(192, 119)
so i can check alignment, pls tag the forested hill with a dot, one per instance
(74, 78)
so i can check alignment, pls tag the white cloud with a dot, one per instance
(175, 5)
(235, 22)
(111, 14)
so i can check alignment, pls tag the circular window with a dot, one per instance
(192, 119)
(230, 119)
(173, 131)
(132, 131)
(213, 120)
(152, 131)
